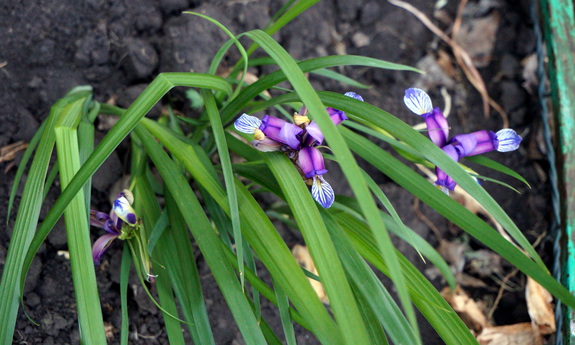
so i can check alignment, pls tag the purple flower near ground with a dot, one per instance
(463, 145)
(120, 223)
(300, 140)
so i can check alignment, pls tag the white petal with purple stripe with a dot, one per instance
(508, 140)
(417, 101)
(322, 192)
(247, 124)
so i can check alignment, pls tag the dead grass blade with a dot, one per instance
(462, 57)
(8, 153)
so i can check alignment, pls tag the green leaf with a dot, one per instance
(260, 233)
(456, 213)
(347, 162)
(90, 319)
(481, 160)
(206, 238)
(27, 220)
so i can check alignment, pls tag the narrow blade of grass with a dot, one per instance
(26, 222)
(206, 238)
(347, 162)
(90, 319)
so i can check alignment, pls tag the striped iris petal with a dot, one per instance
(354, 95)
(417, 101)
(508, 140)
(322, 192)
(247, 124)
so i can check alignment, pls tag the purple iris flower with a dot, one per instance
(118, 224)
(463, 145)
(300, 141)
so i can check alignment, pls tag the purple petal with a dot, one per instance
(417, 101)
(444, 180)
(266, 145)
(354, 95)
(322, 192)
(464, 144)
(311, 162)
(486, 142)
(288, 135)
(247, 124)
(112, 227)
(98, 218)
(315, 133)
(508, 140)
(437, 127)
(337, 116)
(281, 131)
(452, 152)
(101, 245)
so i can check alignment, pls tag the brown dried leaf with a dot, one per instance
(453, 253)
(8, 152)
(468, 310)
(521, 333)
(477, 38)
(539, 307)
(444, 60)
(302, 256)
(472, 282)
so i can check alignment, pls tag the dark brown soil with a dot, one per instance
(119, 46)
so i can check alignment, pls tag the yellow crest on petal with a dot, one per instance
(259, 135)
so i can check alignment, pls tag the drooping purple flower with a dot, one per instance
(463, 145)
(299, 140)
(121, 217)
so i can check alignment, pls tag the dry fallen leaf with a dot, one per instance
(302, 256)
(8, 152)
(477, 38)
(453, 252)
(518, 334)
(539, 307)
(470, 312)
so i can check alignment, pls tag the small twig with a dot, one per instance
(462, 57)
(426, 220)
(500, 294)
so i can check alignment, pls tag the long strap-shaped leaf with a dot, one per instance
(404, 132)
(26, 222)
(347, 162)
(147, 99)
(146, 205)
(371, 114)
(427, 299)
(206, 238)
(261, 234)
(431, 304)
(249, 93)
(378, 299)
(224, 154)
(77, 231)
(456, 213)
(321, 247)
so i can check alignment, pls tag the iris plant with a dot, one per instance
(300, 140)
(459, 146)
